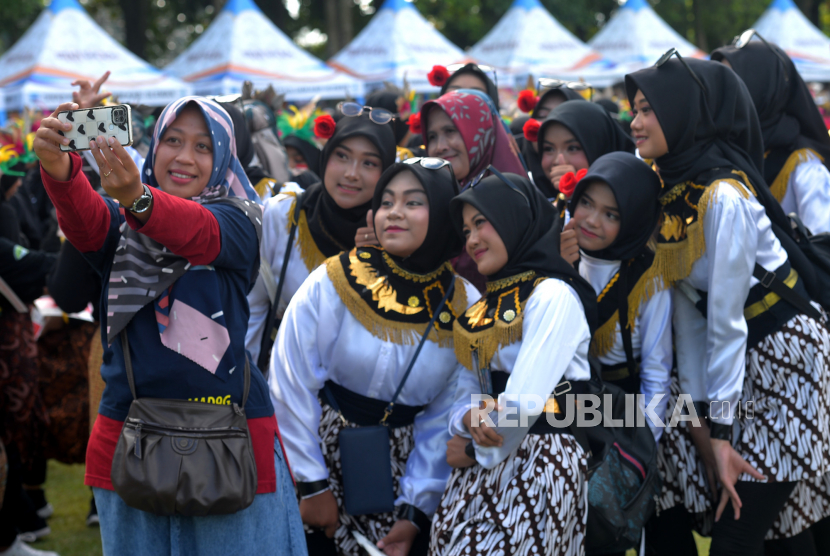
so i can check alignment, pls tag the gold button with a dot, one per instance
(509, 315)
(444, 317)
(414, 301)
(365, 255)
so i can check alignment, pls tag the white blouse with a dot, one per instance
(651, 338)
(711, 352)
(272, 250)
(320, 340)
(808, 194)
(554, 347)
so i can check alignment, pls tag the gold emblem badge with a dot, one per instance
(414, 301)
(444, 317)
(509, 315)
(365, 255)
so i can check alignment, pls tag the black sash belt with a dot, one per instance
(364, 411)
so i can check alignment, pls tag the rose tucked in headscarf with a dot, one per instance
(484, 134)
(145, 271)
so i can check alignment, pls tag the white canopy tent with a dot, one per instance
(398, 42)
(635, 37)
(785, 25)
(528, 40)
(65, 44)
(242, 44)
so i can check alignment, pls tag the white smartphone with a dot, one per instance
(109, 121)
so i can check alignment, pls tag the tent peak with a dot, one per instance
(237, 6)
(58, 6)
(527, 4)
(396, 5)
(782, 5)
(636, 5)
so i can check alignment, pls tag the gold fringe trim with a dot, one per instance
(487, 342)
(510, 280)
(778, 188)
(649, 284)
(421, 278)
(400, 333)
(673, 261)
(265, 184)
(311, 255)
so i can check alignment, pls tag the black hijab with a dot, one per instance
(636, 188)
(530, 233)
(441, 242)
(789, 117)
(333, 228)
(563, 92)
(592, 126)
(310, 152)
(388, 100)
(473, 69)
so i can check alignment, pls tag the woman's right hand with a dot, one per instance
(320, 511)
(481, 433)
(47, 143)
(568, 243)
(558, 171)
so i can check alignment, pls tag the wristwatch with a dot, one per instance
(142, 203)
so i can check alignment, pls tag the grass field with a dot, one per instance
(71, 537)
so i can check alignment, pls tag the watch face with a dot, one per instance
(142, 203)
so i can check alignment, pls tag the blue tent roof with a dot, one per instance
(636, 5)
(58, 6)
(527, 4)
(783, 5)
(237, 6)
(396, 5)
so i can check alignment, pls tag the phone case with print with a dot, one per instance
(109, 121)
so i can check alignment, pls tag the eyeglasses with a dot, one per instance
(489, 71)
(743, 39)
(548, 84)
(503, 178)
(673, 52)
(380, 116)
(430, 163)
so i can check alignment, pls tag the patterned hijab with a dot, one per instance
(145, 271)
(484, 134)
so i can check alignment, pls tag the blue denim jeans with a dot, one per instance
(271, 525)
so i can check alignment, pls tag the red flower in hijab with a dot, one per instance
(527, 101)
(415, 123)
(438, 76)
(324, 126)
(567, 183)
(531, 130)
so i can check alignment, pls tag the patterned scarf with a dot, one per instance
(145, 271)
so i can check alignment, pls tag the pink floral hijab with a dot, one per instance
(484, 134)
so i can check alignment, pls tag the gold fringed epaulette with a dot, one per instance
(310, 253)
(680, 240)
(644, 289)
(778, 188)
(378, 304)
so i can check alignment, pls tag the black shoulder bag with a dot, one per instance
(272, 325)
(186, 458)
(365, 459)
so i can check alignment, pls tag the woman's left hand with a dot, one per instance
(730, 466)
(400, 538)
(456, 456)
(120, 177)
(366, 236)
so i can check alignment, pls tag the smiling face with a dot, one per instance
(467, 81)
(445, 141)
(184, 156)
(561, 147)
(483, 242)
(646, 129)
(597, 218)
(352, 172)
(402, 221)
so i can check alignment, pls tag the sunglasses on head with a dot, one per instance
(503, 178)
(380, 116)
(743, 39)
(489, 71)
(430, 163)
(673, 52)
(547, 84)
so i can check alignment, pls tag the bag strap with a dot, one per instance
(388, 411)
(773, 283)
(625, 330)
(128, 364)
(269, 335)
(9, 294)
